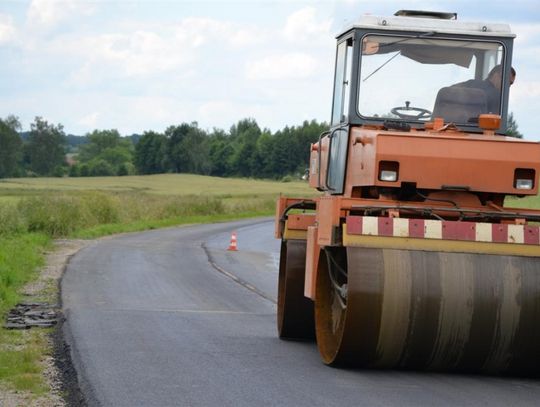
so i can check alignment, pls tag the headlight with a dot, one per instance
(524, 183)
(388, 171)
(524, 178)
(390, 176)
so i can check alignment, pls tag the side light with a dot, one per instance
(388, 171)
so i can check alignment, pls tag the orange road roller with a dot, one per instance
(415, 253)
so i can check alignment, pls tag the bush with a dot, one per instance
(122, 170)
(59, 171)
(100, 168)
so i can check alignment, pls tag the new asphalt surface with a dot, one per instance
(171, 318)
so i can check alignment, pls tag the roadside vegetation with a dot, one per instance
(34, 211)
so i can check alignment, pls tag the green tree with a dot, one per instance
(45, 149)
(244, 135)
(264, 167)
(109, 147)
(220, 151)
(149, 155)
(10, 146)
(187, 149)
(512, 127)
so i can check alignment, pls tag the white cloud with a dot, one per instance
(282, 66)
(49, 13)
(243, 37)
(303, 25)
(149, 49)
(7, 29)
(528, 91)
(526, 33)
(141, 52)
(109, 56)
(200, 31)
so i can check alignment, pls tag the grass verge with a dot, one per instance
(21, 352)
(20, 257)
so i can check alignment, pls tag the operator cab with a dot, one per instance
(416, 66)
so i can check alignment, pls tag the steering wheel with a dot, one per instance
(420, 113)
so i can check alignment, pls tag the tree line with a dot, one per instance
(245, 150)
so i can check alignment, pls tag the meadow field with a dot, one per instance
(161, 184)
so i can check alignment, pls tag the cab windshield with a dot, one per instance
(417, 78)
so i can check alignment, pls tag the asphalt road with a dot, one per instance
(170, 318)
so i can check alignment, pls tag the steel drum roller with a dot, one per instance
(428, 310)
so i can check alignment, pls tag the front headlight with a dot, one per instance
(388, 171)
(524, 178)
(386, 175)
(524, 184)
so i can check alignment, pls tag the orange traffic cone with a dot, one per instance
(232, 246)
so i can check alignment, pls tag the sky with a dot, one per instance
(144, 65)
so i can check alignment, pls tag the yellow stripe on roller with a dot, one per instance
(439, 245)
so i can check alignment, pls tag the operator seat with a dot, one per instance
(458, 104)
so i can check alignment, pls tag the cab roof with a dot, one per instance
(444, 23)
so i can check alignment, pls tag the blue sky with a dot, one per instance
(145, 65)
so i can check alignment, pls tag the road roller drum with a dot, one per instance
(429, 310)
